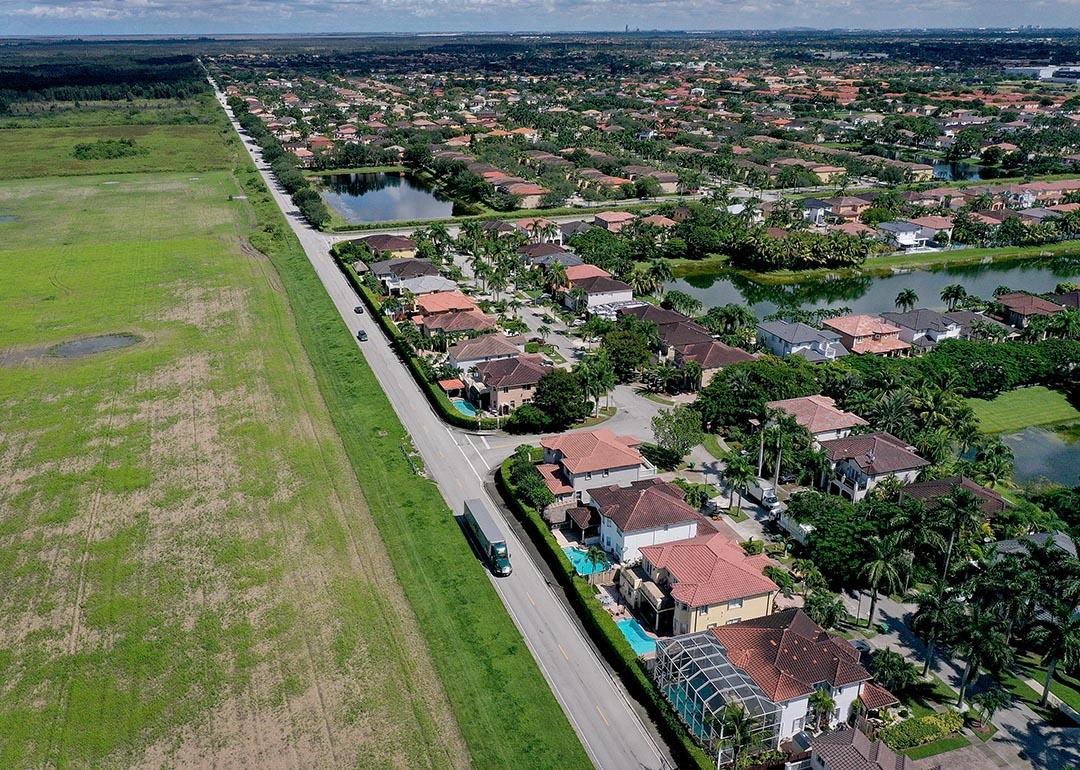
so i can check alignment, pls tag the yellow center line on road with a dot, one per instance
(601, 713)
(563, 652)
(531, 600)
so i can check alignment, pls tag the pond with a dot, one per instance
(877, 294)
(384, 197)
(1042, 452)
(90, 345)
(955, 171)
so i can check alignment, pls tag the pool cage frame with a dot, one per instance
(699, 680)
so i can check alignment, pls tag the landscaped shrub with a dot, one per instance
(921, 730)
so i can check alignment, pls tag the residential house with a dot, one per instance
(647, 512)
(425, 284)
(966, 318)
(691, 585)
(457, 322)
(389, 246)
(848, 748)
(940, 227)
(1070, 300)
(859, 463)
(814, 210)
(392, 272)
(488, 347)
(504, 384)
(1019, 308)
(866, 334)
(784, 338)
(575, 463)
(905, 235)
(711, 356)
(443, 302)
(771, 666)
(819, 415)
(931, 490)
(596, 290)
(847, 207)
(613, 221)
(923, 328)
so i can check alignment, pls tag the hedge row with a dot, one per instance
(437, 398)
(601, 627)
(921, 730)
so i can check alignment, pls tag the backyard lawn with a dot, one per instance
(1022, 408)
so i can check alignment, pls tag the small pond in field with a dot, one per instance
(1046, 453)
(90, 345)
(384, 197)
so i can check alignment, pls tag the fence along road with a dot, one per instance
(611, 730)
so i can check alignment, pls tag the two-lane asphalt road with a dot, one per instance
(610, 728)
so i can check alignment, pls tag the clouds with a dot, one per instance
(231, 16)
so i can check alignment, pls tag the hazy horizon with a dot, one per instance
(360, 17)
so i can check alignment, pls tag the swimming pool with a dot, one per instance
(464, 407)
(582, 563)
(642, 643)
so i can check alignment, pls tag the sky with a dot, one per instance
(114, 17)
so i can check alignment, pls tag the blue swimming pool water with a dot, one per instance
(582, 563)
(464, 407)
(635, 634)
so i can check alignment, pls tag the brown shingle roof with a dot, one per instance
(512, 372)
(989, 500)
(849, 749)
(788, 655)
(1026, 304)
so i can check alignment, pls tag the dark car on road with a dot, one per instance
(361, 335)
(359, 309)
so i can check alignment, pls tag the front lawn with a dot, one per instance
(950, 743)
(1022, 408)
(922, 698)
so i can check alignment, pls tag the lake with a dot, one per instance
(1045, 453)
(384, 197)
(877, 294)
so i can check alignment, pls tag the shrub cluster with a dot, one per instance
(921, 730)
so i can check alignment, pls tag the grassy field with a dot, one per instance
(189, 571)
(1022, 408)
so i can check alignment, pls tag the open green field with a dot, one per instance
(48, 151)
(189, 574)
(1022, 408)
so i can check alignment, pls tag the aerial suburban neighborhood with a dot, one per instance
(563, 399)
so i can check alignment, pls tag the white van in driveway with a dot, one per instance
(763, 492)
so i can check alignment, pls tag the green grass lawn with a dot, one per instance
(712, 445)
(927, 697)
(195, 564)
(1064, 686)
(949, 743)
(1022, 408)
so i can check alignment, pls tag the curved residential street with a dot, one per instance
(610, 726)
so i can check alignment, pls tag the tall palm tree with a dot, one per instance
(980, 643)
(739, 473)
(598, 557)
(880, 570)
(936, 620)
(953, 294)
(906, 300)
(960, 513)
(556, 278)
(642, 282)
(1060, 635)
(822, 707)
(912, 526)
(737, 728)
(660, 270)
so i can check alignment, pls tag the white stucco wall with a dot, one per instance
(626, 545)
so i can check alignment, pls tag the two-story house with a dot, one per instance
(505, 384)
(646, 512)
(819, 415)
(1019, 308)
(859, 463)
(923, 328)
(691, 585)
(575, 463)
(867, 334)
(784, 338)
(470, 353)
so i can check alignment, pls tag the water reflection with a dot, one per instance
(383, 197)
(1045, 453)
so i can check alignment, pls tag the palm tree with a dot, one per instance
(660, 270)
(953, 294)
(739, 473)
(692, 374)
(960, 513)
(912, 526)
(892, 670)
(880, 570)
(981, 643)
(906, 300)
(1060, 635)
(598, 557)
(543, 330)
(642, 282)
(737, 728)
(825, 608)
(556, 278)
(991, 701)
(822, 707)
(936, 619)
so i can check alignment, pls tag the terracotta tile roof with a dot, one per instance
(713, 354)
(847, 748)
(884, 345)
(444, 302)
(648, 504)
(583, 516)
(460, 321)
(486, 346)
(874, 453)
(580, 272)
(1028, 304)
(710, 569)
(860, 325)
(594, 450)
(512, 372)
(817, 414)
(875, 697)
(788, 655)
(452, 384)
(989, 500)
(554, 479)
